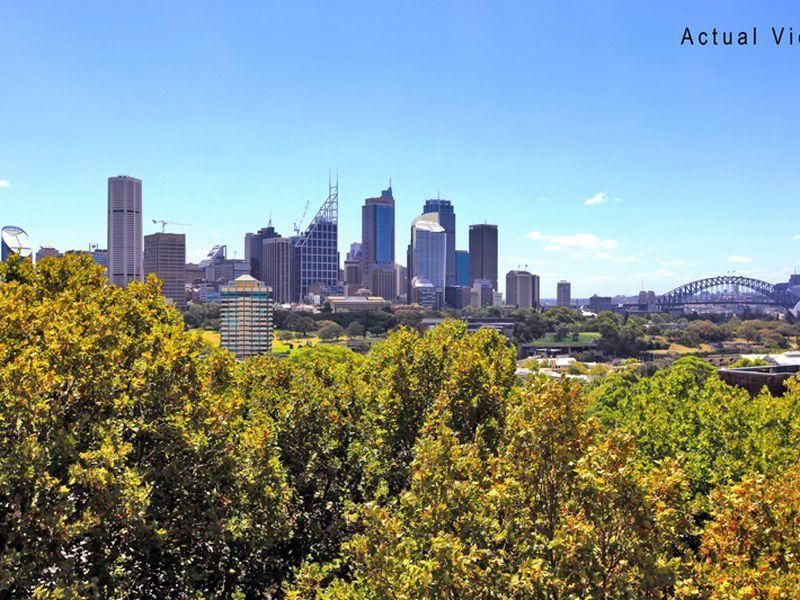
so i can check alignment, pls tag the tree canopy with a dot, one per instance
(135, 461)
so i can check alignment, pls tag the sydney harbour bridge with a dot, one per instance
(729, 290)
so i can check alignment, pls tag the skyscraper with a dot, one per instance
(401, 277)
(377, 234)
(277, 265)
(462, 268)
(428, 253)
(246, 317)
(125, 254)
(522, 289)
(252, 249)
(318, 249)
(383, 282)
(165, 255)
(442, 212)
(564, 293)
(483, 253)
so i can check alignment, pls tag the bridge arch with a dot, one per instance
(686, 294)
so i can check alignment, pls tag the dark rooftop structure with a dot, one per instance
(753, 379)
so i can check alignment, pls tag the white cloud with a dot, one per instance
(796, 238)
(198, 252)
(599, 198)
(739, 259)
(677, 262)
(5, 183)
(582, 241)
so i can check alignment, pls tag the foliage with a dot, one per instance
(127, 464)
(751, 546)
(748, 362)
(296, 322)
(717, 432)
(328, 330)
(707, 331)
(404, 377)
(558, 510)
(355, 329)
(202, 316)
(135, 461)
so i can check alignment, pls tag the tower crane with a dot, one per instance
(298, 224)
(165, 223)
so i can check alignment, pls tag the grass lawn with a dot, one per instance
(584, 337)
(283, 346)
(211, 337)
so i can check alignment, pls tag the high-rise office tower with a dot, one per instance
(483, 253)
(318, 249)
(522, 289)
(383, 282)
(352, 276)
(428, 253)
(246, 317)
(563, 293)
(165, 255)
(401, 277)
(462, 268)
(442, 212)
(252, 249)
(377, 241)
(125, 256)
(278, 264)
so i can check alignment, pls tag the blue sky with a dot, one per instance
(518, 112)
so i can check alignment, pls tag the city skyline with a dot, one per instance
(617, 175)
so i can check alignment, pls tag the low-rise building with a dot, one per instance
(358, 303)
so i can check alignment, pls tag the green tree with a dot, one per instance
(328, 330)
(300, 323)
(406, 374)
(553, 511)
(717, 432)
(128, 466)
(751, 546)
(355, 329)
(707, 331)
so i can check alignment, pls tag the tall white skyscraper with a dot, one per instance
(125, 253)
(429, 251)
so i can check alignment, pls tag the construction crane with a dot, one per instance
(298, 224)
(165, 223)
